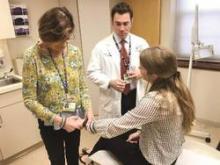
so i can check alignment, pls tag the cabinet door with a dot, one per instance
(18, 130)
(6, 31)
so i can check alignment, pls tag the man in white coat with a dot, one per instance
(114, 67)
(104, 66)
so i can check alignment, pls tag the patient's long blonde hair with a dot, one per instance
(162, 62)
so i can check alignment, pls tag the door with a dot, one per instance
(146, 21)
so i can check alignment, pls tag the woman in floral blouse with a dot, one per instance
(164, 114)
(54, 83)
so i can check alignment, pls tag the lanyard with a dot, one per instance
(64, 81)
(129, 48)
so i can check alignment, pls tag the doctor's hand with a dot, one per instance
(134, 74)
(118, 85)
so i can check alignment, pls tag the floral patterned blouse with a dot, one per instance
(43, 75)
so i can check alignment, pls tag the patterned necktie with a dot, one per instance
(124, 65)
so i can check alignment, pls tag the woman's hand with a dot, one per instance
(57, 120)
(72, 123)
(134, 137)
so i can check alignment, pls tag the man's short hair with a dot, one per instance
(121, 8)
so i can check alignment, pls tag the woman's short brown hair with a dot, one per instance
(55, 25)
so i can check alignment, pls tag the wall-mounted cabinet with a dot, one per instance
(6, 28)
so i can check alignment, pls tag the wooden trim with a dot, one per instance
(199, 64)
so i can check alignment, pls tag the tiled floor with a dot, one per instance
(39, 156)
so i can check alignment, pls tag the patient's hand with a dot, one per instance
(90, 127)
(134, 137)
(89, 117)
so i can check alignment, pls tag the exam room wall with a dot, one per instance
(86, 32)
(35, 10)
(205, 84)
(15, 47)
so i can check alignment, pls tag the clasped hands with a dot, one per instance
(75, 122)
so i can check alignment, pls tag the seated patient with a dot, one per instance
(164, 114)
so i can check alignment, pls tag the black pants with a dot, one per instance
(128, 101)
(127, 153)
(60, 144)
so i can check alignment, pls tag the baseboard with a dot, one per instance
(208, 122)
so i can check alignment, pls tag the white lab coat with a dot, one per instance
(104, 65)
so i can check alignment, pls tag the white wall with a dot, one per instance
(94, 19)
(72, 6)
(36, 8)
(18, 45)
(206, 93)
(94, 24)
(205, 85)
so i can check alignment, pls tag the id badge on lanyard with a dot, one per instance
(70, 105)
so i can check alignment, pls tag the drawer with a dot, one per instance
(10, 98)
